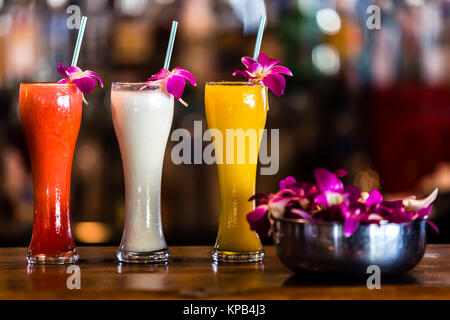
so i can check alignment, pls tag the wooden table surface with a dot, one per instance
(192, 275)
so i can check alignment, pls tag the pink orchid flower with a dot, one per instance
(267, 71)
(173, 81)
(330, 200)
(84, 80)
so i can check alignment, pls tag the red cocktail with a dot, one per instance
(51, 115)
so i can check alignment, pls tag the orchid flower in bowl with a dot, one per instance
(267, 71)
(173, 82)
(328, 227)
(84, 80)
(330, 200)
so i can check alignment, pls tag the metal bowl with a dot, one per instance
(322, 247)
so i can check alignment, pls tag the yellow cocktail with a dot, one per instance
(236, 112)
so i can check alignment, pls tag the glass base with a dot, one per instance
(66, 257)
(159, 256)
(236, 257)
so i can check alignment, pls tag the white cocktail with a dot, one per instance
(142, 120)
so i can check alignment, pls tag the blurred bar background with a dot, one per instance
(375, 102)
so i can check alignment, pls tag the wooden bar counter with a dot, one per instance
(192, 275)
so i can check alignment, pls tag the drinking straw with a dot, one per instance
(170, 45)
(76, 52)
(262, 23)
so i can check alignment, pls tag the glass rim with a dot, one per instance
(127, 83)
(46, 84)
(141, 86)
(232, 83)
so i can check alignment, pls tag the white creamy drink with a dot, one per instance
(142, 120)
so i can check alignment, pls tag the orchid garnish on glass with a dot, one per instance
(84, 80)
(330, 200)
(172, 82)
(266, 71)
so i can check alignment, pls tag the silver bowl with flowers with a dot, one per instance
(332, 228)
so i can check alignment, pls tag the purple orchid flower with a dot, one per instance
(421, 208)
(362, 211)
(303, 193)
(333, 192)
(84, 80)
(288, 182)
(275, 204)
(267, 71)
(302, 214)
(259, 218)
(259, 221)
(423, 214)
(330, 200)
(173, 81)
(292, 200)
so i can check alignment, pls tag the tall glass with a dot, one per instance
(142, 119)
(241, 106)
(51, 116)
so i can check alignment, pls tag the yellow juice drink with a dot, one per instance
(237, 111)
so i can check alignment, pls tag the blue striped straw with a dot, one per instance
(173, 32)
(259, 36)
(76, 52)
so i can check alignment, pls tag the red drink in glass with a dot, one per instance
(51, 115)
